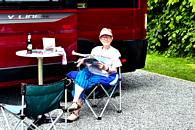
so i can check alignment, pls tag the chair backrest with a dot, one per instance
(41, 99)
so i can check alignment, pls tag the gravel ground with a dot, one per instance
(149, 102)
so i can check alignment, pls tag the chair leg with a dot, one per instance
(19, 123)
(53, 122)
(99, 118)
(120, 98)
(88, 104)
(7, 123)
(108, 100)
(109, 94)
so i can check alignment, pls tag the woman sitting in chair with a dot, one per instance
(92, 74)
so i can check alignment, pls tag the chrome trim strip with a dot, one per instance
(32, 17)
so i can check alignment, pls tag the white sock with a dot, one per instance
(77, 93)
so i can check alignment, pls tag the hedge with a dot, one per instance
(171, 27)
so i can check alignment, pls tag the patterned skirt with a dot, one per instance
(85, 79)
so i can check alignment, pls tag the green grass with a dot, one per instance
(183, 68)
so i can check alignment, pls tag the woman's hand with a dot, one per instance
(102, 66)
(106, 68)
(80, 61)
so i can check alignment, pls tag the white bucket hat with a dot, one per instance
(105, 31)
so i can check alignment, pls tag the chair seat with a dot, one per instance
(16, 109)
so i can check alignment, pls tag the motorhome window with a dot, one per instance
(37, 4)
(112, 3)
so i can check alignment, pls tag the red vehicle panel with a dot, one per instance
(75, 25)
(122, 22)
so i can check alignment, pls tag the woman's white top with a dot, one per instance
(110, 57)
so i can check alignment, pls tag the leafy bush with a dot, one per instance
(171, 27)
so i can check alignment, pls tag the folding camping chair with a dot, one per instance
(37, 100)
(109, 89)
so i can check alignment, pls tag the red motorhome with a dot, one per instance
(75, 25)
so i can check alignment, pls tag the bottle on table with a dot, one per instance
(29, 44)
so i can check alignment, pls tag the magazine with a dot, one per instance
(92, 61)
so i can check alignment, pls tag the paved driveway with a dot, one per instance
(149, 102)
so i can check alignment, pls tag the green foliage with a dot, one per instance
(171, 27)
(193, 5)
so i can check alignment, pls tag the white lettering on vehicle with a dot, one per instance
(25, 16)
(10, 16)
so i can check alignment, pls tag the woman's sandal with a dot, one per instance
(73, 107)
(72, 117)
